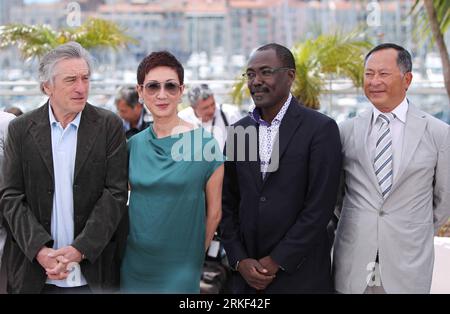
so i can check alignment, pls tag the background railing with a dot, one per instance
(340, 100)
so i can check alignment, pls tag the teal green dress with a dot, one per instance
(168, 176)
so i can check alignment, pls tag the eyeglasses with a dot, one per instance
(152, 88)
(265, 73)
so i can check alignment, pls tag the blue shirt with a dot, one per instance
(64, 149)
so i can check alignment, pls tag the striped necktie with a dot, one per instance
(383, 154)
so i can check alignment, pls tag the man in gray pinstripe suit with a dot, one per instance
(396, 191)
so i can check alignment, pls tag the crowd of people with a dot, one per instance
(94, 202)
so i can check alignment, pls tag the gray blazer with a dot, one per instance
(99, 197)
(402, 226)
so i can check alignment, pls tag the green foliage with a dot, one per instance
(240, 91)
(422, 28)
(326, 57)
(36, 40)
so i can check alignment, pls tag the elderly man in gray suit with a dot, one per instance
(4, 121)
(396, 185)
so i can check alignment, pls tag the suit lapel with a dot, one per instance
(414, 128)
(87, 133)
(255, 165)
(41, 134)
(361, 130)
(289, 124)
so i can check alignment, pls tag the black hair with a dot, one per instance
(403, 58)
(284, 54)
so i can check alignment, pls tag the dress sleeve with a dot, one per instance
(213, 156)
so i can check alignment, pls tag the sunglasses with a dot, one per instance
(152, 88)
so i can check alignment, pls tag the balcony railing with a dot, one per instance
(341, 100)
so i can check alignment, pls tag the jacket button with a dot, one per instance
(263, 199)
(381, 213)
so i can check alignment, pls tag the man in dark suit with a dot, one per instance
(281, 179)
(64, 188)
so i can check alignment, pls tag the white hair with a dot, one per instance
(70, 50)
(199, 92)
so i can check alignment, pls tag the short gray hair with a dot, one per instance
(70, 50)
(128, 94)
(199, 92)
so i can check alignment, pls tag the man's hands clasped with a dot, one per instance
(258, 273)
(56, 262)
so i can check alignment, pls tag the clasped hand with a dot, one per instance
(56, 262)
(258, 273)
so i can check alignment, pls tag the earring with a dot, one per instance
(141, 101)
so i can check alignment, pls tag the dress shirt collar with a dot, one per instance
(75, 122)
(399, 112)
(255, 114)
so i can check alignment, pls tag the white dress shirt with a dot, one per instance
(5, 118)
(64, 149)
(397, 129)
(215, 126)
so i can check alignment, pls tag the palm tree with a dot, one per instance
(36, 40)
(434, 15)
(319, 60)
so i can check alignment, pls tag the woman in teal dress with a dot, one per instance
(175, 175)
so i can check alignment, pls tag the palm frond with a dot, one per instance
(240, 91)
(96, 33)
(326, 57)
(422, 31)
(36, 40)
